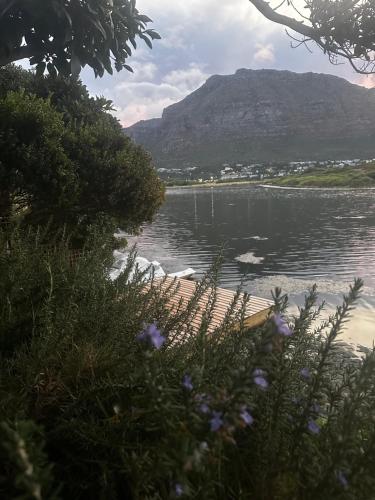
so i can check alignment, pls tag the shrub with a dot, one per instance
(101, 398)
(65, 159)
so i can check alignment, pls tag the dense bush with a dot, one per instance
(36, 174)
(103, 394)
(65, 158)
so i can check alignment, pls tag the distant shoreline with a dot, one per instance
(330, 179)
(316, 188)
(214, 184)
(271, 186)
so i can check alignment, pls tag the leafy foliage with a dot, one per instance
(125, 411)
(34, 168)
(65, 157)
(343, 28)
(64, 37)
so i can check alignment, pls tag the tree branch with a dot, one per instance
(298, 26)
(17, 54)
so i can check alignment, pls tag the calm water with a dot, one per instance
(286, 238)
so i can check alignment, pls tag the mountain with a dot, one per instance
(263, 115)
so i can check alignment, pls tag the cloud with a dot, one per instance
(264, 53)
(135, 100)
(188, 79)
(367, 81)
(143, 71)
(200, 39)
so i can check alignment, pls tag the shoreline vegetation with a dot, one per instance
(348, 177)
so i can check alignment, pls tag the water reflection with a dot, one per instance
(297, 237)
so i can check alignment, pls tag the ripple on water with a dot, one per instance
(298, 286)
(249, 258)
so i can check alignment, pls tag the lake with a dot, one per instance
(289, 238)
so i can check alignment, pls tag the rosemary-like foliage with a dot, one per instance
(101, 398)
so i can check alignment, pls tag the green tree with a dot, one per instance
(64, 36)
(35, 171)
(63, 155)
(341, 28)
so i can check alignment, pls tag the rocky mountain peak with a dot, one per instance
(263, 115)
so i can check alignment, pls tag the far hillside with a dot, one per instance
(352, 177)
(262, 116)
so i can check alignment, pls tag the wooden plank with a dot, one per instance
(181, 290)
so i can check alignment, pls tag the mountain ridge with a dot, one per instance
(262, 115)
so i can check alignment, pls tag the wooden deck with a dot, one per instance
(182, 290)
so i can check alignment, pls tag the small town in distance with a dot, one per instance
(255, 171)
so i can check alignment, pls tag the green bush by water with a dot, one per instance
(104, 394)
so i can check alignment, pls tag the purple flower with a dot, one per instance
(313, 427)
(216, 421)
(204, 408)
(246, 417)
(259, 378)
(178, 489)
(305, 373)
(152, 334)
(187, 383)
(342, 479)
(281, 325)
(200, 397)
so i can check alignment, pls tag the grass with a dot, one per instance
(358, 177)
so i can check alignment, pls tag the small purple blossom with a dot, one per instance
(258, 372)
(259, 378)
(152, 334)
(281, 325)
(313, 427)
(202, 400)
(216, 421)
(178, 489)
(187, 383)
(246, 416)
(342, 479)
(204, 408)
(201, 397)
(305, 373)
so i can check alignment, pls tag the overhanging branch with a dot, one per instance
(17, 54)
(298, 26)
(326, 30)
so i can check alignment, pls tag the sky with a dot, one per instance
(201, 38)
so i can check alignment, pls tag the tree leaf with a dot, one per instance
(153, 34)
(148, 42)
(145, 19)
(51, 69)
(7, 7)
(75, 65)
(40, 68)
